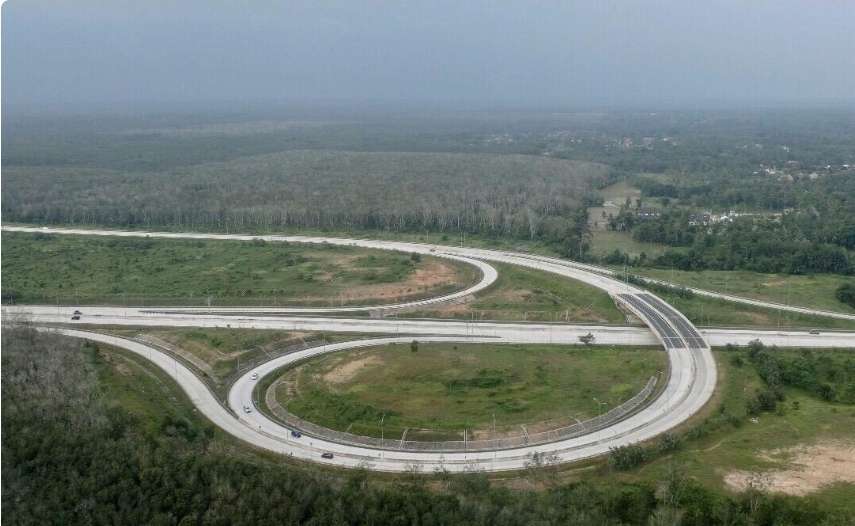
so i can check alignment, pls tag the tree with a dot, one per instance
(414, 346)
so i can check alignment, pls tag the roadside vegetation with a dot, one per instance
(219, 355)
(782, 421)
(819, 291)
(154, 460)
(438, 390)
(40, 268)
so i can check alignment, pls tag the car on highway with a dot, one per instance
(327, 455)
(814, 331)
(254, 376)
(247, 409)
(296, 434)
(75, 316)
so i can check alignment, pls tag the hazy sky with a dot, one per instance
(464, 52)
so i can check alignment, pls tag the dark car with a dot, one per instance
(327, 455)
(75, 316)
(296, 434)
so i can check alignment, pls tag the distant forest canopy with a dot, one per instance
(520, 175)
(503, 195)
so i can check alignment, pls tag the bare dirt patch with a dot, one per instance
(345, 372)
(432, 274)
(810, 469)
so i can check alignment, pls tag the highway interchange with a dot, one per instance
(689, 384)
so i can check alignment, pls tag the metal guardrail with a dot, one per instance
(529, 439)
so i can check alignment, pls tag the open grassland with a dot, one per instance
(717, 312)
(816, 291)
(40, 268)
(441, 389)
(525, 294)
(605, 242)
(802, 446)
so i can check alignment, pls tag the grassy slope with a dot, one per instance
(450, 387)
(815, 291)
(136, 385)
(522, 293)
(115, 270)
(727, 447)
(605, 242)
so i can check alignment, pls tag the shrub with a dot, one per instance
(627, 457)
(846, 294)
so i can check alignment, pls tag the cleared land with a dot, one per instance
(523, 294)
(442, 389)
(815, 291)
(40, 268)
(800, 447)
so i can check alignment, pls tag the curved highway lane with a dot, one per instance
(424, 249)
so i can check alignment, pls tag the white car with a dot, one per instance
(247, 409)
(254, 376)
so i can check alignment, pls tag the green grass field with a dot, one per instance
(446, 388)
(524, 294)
(42, 268)
(815, 291)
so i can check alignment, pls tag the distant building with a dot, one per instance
(647, 213)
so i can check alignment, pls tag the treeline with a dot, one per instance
(792, 243)
(494, 195)
(71, 457)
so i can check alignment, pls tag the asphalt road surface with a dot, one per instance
(558, 333)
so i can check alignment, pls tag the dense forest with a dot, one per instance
(70, 456)
(501, 195)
